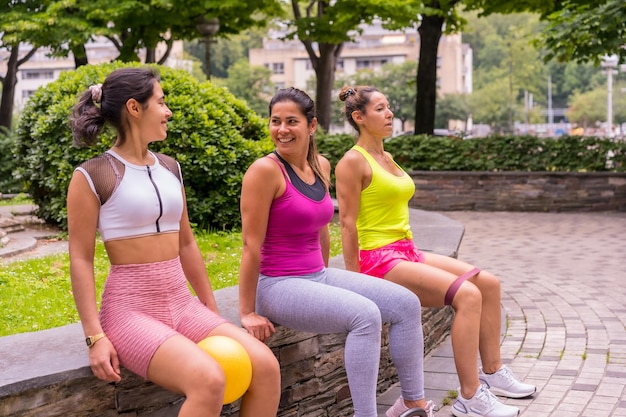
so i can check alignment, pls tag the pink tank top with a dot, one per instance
(292, 240)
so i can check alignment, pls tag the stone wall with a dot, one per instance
(519, 191)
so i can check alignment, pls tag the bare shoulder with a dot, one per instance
(351, 159)
(323, 161)
(265, 166)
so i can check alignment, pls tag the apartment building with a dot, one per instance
(291, 66)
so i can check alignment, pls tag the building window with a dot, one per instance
(339, 66)
(363, 64)
(27, 93)
(308, 66)
(278, 68)
(38, 75)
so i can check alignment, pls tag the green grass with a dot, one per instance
(36, 294)
(19, 199)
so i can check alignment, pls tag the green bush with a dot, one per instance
(214, 136)
(8, 183)
(494, 153)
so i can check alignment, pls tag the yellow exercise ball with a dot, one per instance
(234, 360)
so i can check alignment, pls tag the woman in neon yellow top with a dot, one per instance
(373, 194)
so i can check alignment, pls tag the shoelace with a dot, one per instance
(486, 396)
(430, 408)
(506, 372)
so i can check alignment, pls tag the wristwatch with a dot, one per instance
(91, 340)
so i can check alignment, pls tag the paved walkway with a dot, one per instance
(564, 299)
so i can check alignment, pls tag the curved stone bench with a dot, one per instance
(47, 373)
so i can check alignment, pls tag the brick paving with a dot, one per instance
(564, 313)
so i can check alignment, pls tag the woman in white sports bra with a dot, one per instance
(149, 321)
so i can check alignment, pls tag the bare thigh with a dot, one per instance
(179, 363)
(431, 279)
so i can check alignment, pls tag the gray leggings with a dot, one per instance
(338, 301)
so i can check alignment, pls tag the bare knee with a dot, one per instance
(207, 381)
(488, 284)
(265, 366)
(468, 299)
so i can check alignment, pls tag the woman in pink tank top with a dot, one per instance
(284, 274)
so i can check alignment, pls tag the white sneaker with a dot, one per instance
(482, 404)
(504, 383)
(398, 409)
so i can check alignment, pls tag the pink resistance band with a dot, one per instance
(457, 284)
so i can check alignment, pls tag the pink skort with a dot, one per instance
(377, 262)
(145, 304)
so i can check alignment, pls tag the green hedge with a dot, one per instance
(8, 183)
(494, 153)
(214, 136)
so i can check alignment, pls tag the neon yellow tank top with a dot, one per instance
(384, 206)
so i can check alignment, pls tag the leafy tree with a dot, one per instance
(506, 56)
(587, 30)
(131, 23)
(252, 84)
(489, 105)
(226, 51)
(451, 107)
(589, 108)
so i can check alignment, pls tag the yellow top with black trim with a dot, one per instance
(384, 206)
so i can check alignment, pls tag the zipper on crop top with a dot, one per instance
(156, 189)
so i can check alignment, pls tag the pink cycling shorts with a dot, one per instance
(377, 262)
(145, 304)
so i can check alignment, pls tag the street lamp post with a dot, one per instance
(610, 63)
(208, 28)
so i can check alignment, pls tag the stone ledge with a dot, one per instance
(47, 374)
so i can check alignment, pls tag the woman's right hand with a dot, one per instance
(104, 362)
(258, 326)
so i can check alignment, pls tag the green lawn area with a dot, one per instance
(36, 294)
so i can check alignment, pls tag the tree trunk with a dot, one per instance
(8, 89)
(8, 84)
(168, 50)
(80, 55)
(325, 72)
(430, 33)
(150, 55)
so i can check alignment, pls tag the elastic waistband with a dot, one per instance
(398, 245)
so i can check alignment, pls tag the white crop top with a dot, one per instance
(134, 199)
